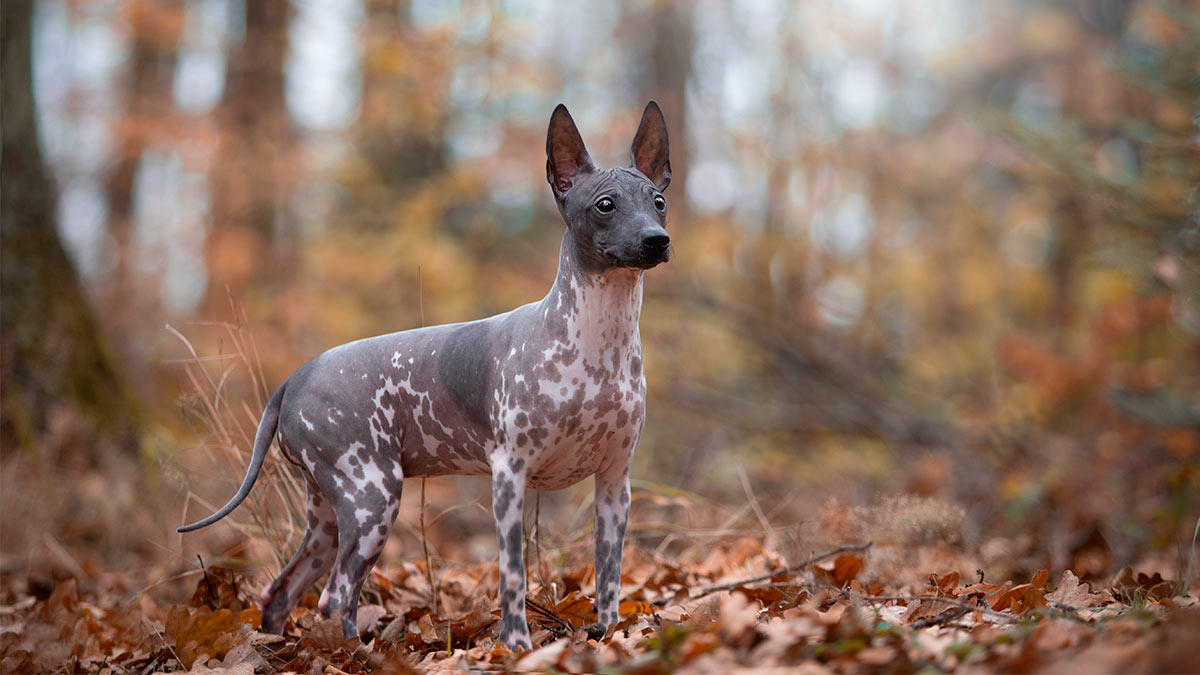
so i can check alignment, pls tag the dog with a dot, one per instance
(539, 397)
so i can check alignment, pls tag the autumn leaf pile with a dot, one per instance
(706, 609)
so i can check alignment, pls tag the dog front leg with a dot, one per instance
(508, 505)
(612, 514)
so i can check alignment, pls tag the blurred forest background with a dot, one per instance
(937, 268)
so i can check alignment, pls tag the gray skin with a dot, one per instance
(540, 397)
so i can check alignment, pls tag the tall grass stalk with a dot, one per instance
(425, 542)
(1187, 578)
(228, 427)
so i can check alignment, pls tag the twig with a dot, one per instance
(758, 512)
(425, 547)
(64, 557)
(1187, 578)
(152, 630)
(1078, 611)
(421, 295)
(986, 611)
(424, 542)
(536, 534)
(947, 616)
(537, 527)
(785, 570)
(213, 600)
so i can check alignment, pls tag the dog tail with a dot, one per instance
(262, 442)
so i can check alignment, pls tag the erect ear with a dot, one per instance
(566, 157)
(650, 153)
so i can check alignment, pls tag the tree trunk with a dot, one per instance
(251, 179)
(672, 70)
(147, 105)
(51, 353)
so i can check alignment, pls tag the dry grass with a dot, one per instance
(227, 392)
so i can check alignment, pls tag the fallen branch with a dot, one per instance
(784, 570)
(952, 614)
(959, 604)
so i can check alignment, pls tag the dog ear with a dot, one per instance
(650, 153)
(566, 156)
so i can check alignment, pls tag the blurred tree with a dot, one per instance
(252, 177)
(402, 131)
(961, 229)
(1122, 165)
(50, 350)
(155, 27)
(667, 80)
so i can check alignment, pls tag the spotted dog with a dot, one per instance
(540, 397)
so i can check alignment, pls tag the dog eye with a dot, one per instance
(605, 205)
(660, 203)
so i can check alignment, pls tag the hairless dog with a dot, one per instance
(540, 397)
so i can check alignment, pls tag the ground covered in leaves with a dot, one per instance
(699, 608)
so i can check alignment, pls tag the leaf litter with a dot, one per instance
(708, 608)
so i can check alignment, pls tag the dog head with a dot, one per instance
(617, 216)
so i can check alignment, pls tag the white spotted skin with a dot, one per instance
(540, 397)
(600, 357)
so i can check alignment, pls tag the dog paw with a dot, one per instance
(596, 631)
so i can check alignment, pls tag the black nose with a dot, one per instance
(655, 240)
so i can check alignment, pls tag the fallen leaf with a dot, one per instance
(1072, 592)
(628, 607)
(1039, 579)
(845, 568)
(217, 588)
(326, 636)
(738, 615)
(543, 658)
(696, 644)
(947, 584)
(1025, 597)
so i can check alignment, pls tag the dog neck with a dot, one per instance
(600, 309)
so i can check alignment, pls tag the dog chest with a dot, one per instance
(573, 410)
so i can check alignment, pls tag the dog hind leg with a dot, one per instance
(310, 562)
(363, 526)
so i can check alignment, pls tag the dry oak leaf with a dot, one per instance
(696, 644)
(220, 669)
(845, 568)
(996, 595)
(217, 589)
(1025, 597)
(926, 608)
(946, 584)
(62, 603)
(774, 598)
(369, 617)
(1062, 634)
(976, 594)
(942, 586)
(1072, 592)
(577, 609)
(431, 634)
(325, 642)
(1126, 586)
(628, 607)
(739, 615)
(543, 658)
(459, 631)
(196, 631)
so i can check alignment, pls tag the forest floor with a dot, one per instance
(710, 610)
(705, 588)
